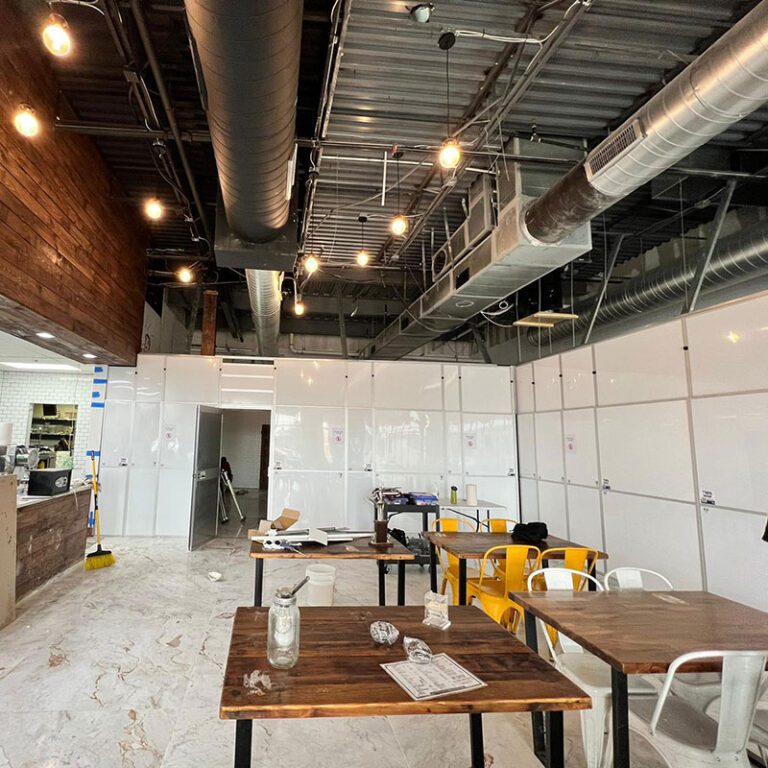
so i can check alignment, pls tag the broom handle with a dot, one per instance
(95, 484)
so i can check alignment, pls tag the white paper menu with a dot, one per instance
(441, 677)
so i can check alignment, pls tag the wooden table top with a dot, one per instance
(643, 632)
(339, 674)
(357, 549)
(472, 545)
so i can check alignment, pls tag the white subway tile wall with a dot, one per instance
(19, 391)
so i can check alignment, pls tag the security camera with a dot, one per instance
(421, 13)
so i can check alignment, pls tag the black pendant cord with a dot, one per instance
(447, 94)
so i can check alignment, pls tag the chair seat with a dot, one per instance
(679, 721)
(589, 671)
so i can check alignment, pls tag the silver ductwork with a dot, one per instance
(249, 55)
(724, 85)
(742, 255)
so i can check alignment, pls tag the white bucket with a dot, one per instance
(320, 585)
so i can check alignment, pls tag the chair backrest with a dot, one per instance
(518, 558)
(562, 579)
(741, 680)
(580, 559)
(633, 578)
(449, 525)
(499, 524)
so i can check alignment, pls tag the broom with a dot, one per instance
(101, 558)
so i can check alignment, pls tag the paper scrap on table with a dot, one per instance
(442, 677)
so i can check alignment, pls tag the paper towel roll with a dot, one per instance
(6, 433)
(470, 495)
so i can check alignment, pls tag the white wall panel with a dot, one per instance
(549, 446)
(408, 385)
(174, 502)
(580, 440)
(524, 388)
(308, 438)
(552, 508)
(114, 488)
(584, 524)
(453, 446)
(121, 383)
(319, 496)
(529, 500)
(732, 450)
(359, 439)
(649, 533)
(192, 379)
(488, 444)
(150, 378)
(360, 384)
(247, 384)
(648, 365)
(546, 373)
(116, 433)
(178, 427)
(578, 379)
(737, 566)
(499, 490)
(140, 504)
(486, 389)
(145, 442)
(451, 397)
(526, 445)
(729, 348)
(310, 382)
(646, 449)
(359, 516)
(405, 441)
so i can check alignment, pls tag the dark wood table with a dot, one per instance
(472, 546)
(339, 674)
(642, 633)
(357, 549)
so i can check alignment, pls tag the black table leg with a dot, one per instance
(476, 747)
(555, 741)
(258, 584)
(432, 567)
(537, 718)
(243, 737)
(620, 715)
(382, 586)
(401, 582)
(462, 581)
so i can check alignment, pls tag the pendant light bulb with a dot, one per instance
(362, 258)
(398, 226)
(298, 307)
(185, 275)
(311, 264)
(450, 154)
(56, 37)
(25, 121)
(153, 209)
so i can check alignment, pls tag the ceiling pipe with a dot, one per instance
(724, 85)
(249, 55)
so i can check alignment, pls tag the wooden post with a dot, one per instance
(208, 343)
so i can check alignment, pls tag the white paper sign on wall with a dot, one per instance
(470, 441)
(570, 443)
(337, 435)
(169, 432)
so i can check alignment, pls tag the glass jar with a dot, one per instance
(283, 631)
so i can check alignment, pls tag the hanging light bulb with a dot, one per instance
(298, 307)
(362, 256)
(153, 209)
(185, 275)
(56, 36)
(398, 226)
(450, 154)
(311, 264)
(25, 121)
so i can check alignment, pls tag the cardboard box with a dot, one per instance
(287, 518)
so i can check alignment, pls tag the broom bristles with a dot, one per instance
(99, 561)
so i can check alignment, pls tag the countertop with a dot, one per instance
(26, 501)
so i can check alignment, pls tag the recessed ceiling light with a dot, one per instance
(41, 366)
(44, 335)
(89, 356)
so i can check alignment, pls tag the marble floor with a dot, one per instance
(121, 668)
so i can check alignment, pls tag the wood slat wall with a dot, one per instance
(72, 253)
(50, 537)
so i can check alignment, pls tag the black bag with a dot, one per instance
(530, 533)
(399, 535)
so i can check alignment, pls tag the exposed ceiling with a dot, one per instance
(389, 88)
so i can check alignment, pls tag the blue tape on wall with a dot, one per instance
(99, 369)
(99, 381)
(97, 405)
(95, 394)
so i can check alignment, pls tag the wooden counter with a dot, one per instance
(50, 537)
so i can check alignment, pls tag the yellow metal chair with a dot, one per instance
(580, 559)
(449, 564)
(492, 592)
(499, 524)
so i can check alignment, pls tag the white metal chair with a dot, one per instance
(587, 671)
(687, 738)
(634, 578)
